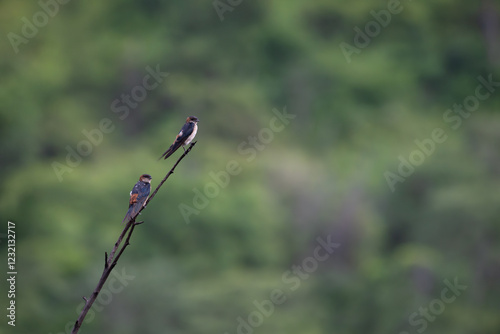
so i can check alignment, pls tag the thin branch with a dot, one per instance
(110, 261)
(168, 174)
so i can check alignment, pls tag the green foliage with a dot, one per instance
(323, 173)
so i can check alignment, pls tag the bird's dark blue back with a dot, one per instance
(142, 190)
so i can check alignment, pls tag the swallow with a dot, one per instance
(138, 196)
(185, 136)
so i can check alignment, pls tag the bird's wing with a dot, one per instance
(144, 193)
(185, 132)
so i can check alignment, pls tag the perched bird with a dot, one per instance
(138, 196)
(185, 136)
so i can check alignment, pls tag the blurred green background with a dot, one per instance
(324, 175)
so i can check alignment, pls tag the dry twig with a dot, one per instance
(111, 260)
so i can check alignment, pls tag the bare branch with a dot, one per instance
(111, 260)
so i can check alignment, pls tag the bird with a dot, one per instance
(138, 196)
(184, 137)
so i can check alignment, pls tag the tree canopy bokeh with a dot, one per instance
(372, 126)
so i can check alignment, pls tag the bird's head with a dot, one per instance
(145, 178)
(192, 119)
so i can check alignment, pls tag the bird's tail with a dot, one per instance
(167, 153)
(127, 216)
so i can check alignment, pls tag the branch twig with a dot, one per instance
(110, 261)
